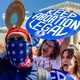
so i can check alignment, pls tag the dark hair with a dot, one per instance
(73, 52)
(70, 52)
(56, 49)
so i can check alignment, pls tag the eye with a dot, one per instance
(68, 57)
(11, 39)
(20, 38)
(50, 46)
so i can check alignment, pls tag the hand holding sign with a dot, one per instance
(53, 24)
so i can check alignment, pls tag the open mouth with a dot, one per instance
(45, 50)
(65, 65)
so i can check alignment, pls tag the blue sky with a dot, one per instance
(32, 6)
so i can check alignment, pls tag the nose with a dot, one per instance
(15, 38)
(46, 46)
(64, 60)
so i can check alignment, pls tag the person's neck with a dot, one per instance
(72, 73)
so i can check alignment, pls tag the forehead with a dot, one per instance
(16, 34)
(50, 42)
(69, 53)
(65, 53)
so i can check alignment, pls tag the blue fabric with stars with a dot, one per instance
(9, 72)
(17, 51)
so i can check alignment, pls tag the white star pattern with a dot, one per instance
(17, 52)
(21, 52)
(12, 45)
(14, 59)
(21, 59)
(27, 51)
(13, 52)
(8, 52)
(27, 44)
(21, 44)
(7, 46)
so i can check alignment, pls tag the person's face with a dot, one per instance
(68, 63)
(47, 48)
(17, 36)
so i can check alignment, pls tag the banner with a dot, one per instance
(60, 75)
(35, 40)
(15, 14)
(53, 24)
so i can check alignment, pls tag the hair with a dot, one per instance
(73, 52)
(56, 49)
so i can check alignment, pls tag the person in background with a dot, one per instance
(18, 64)
(70, 61)
(49, 53)
(35, 49)
(2, 49)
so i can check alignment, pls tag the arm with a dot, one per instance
(64, 44)
(3, 54)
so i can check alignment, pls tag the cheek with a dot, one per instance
(72, 62)
(50, 51)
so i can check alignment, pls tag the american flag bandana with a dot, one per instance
(18, 52)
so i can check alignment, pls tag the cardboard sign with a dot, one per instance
(35, 40)
(60, 75)
(53, 24)
(15, 14)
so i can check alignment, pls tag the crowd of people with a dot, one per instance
(17, 64)
(49, 53)
(17, 61)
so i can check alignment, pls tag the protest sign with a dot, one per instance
(53, 24)
(60, 75)
(35, 40)
(15, 14)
